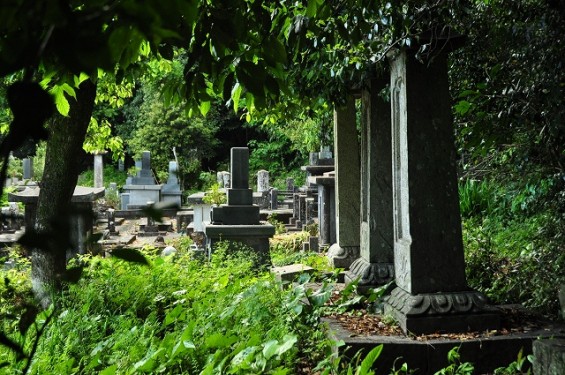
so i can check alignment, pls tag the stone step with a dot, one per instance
(429, 355)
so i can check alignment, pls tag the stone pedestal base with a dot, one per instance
(441, 312)
(369, 275)
(342, 257)
(549, 356)
(254, 236)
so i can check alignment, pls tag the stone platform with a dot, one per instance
(427, 355)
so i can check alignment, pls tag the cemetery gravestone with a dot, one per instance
(375, 265)
(237, 221)
(98, 170)
(347, 187)
(27, 166)
(141, 188)
(262, 181)
(431, 294)
(171, 191)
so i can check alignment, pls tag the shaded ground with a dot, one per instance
(515, 319)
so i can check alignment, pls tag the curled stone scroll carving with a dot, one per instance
(372, 273)
(342, 257)
(437, 303)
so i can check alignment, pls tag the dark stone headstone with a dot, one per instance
(27, 166)
(239, 168)
(345, 249)
(375, 265)
(238, 220)
(432, 293)
(145, 165)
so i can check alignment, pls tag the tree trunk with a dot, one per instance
(57, 186)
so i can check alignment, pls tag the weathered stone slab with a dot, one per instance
(549, 356)
(290, 272)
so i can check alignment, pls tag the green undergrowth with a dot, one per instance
(286, 248)
(178, 315)
(111, 174)
(514, 243)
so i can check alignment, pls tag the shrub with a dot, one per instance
(175, 316)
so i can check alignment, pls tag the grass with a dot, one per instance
(179, 315)
(513, 243)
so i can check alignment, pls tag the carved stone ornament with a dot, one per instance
(342, 257)
(437, 303)
(371, 273)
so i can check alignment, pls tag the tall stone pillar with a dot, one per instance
(432, 293)
(27, 166)
(375, 265)
(347, 169)
(263, 181)
(98, 170)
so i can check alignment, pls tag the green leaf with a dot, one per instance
(462, 107)
(110, 370)
(172, 315)
(369, 360)
(218, 340)
(205, 107)
(181, 347)
(288, 343)
(235, 96)
(252, 76)
(80, 79)
(130, 255)
(118, 40)
(320, 297)
(312, 8)
(270, 349)
(69, 90)
(275, 51)
(242, 360)
(61, 101)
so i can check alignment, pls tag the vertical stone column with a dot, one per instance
(239, 193)
(124, 201)
(432, 293)
(326, 209)
(98, 170)
(290, 184)
(145, 164)
(262, 180)
(347, 185)
(375, 265)
(226, 180)
(173, 172)
(27, 166)
(220, 178)
(274, 199)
